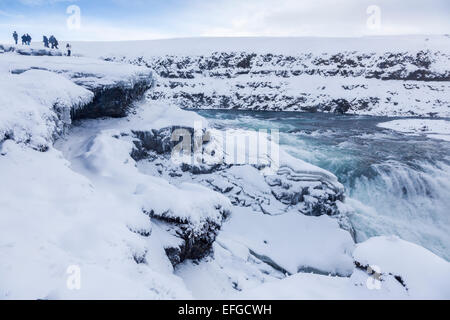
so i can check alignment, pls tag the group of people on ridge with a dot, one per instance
(26, 40)
(52, 40)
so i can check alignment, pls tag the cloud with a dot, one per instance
(315, 18)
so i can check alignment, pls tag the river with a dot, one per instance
(395, 183)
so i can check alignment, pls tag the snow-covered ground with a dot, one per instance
(97, 209)
(262, 45)
(436, 129)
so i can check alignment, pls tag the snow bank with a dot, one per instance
(35, 106)
(87, 72)
(108, 159)
(303, 286)
(161, 115)
(435, 129)
(424, 274)
(407, 271)
(53, 218)
(292, 242)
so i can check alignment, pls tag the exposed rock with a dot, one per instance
(113, 100)
(192, 244)
(339, 83)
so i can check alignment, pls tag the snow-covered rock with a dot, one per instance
(42, 95)
(270, 182)
(36, 106)
(359, 79)
(292, 242)
(115, 86)
(399, 270)
(423, 274)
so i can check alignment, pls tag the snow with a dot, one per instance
(36, 105)
(159, 115)
(305, 286)
(106, 159)
(286, 45)
(88, 72)
(435, 129)
(425, 275)
(292, 241)
(66, 221)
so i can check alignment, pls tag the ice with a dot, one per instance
(435, 129)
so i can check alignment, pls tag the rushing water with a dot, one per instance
(396, 184)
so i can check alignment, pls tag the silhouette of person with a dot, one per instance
(69, 49)
(28, 39)
(45, 40)
(24, 39)
(53, 42)
(16, 37)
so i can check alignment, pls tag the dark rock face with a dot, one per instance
(342, 106)
(192, 242)
(192, 245)
(154, 143)
(249, 81)
(159, 141)
(113, 101)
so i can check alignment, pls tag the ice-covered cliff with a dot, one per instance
(360, 76)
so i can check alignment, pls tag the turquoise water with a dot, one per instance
(395, 184)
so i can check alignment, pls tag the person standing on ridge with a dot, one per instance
(24, 39)
(69, 49)
(53, 42)
(45, 40)
(28, 39)
(16, 37)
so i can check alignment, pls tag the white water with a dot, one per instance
(396, 184)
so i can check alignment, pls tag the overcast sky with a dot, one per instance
(155, 19)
